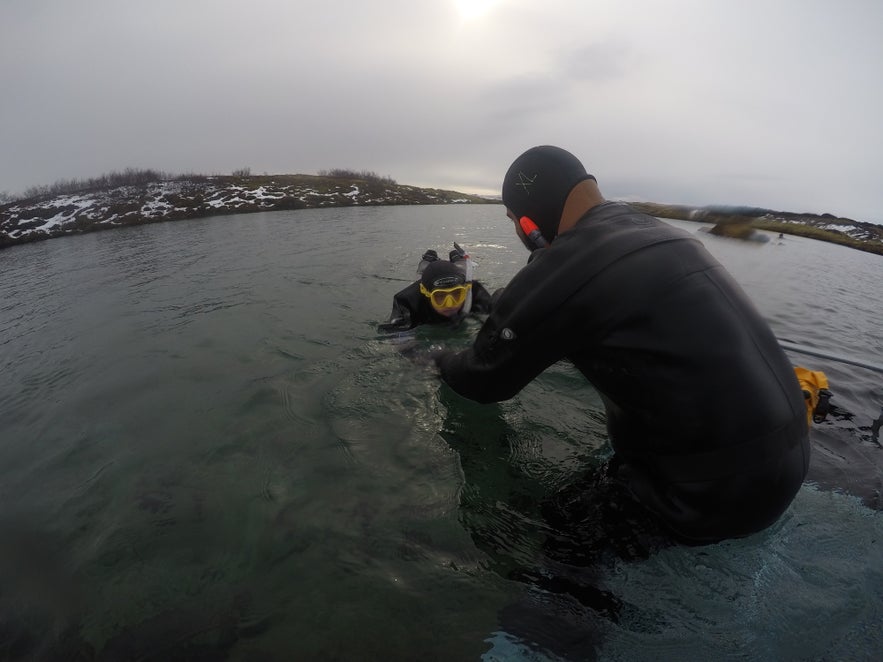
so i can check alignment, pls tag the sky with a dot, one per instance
(769, 103)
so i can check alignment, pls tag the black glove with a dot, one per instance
(823, 406)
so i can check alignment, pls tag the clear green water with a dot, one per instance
(207, 452)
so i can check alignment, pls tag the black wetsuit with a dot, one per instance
(411, 308)
(704, 411)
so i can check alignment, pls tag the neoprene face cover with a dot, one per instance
(537, 185)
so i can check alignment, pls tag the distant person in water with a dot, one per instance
(442, 295)
(705, 416)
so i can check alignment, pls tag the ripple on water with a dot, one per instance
(203, 417)
(765, 597)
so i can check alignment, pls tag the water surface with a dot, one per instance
(207, 450)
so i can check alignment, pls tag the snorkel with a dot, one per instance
(533, 232)
(468, 267)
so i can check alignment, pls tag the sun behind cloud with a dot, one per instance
(471, 10)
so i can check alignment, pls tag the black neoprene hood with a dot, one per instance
(442, 273)
(537, 185)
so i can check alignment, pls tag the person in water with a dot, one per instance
(705, 416)
(442, 295)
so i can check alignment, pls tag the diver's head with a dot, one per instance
(444, 284)
(537, 185)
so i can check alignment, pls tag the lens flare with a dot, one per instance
(470, 10)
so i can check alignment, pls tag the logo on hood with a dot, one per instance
(446, 281)
(525, 182)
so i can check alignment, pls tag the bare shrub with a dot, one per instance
(367, 175)
(128, 177)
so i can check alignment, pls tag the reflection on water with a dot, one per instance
(207, 452)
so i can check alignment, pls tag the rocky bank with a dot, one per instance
(48, 216)
(103, 208)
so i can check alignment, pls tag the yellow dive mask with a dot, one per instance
(447, 297)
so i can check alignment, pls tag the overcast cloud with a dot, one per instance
(773, 103)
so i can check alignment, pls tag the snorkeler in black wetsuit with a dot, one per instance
(441, 296)
(704, 412)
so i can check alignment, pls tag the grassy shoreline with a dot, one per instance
(142, 197)
(92, 209)
(741, 222)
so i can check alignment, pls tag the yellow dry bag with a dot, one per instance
(814, 385)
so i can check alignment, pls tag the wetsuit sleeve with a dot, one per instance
(499, 364)
(481, 298)
(400, 318)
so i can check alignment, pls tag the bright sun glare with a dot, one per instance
(474, 9)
